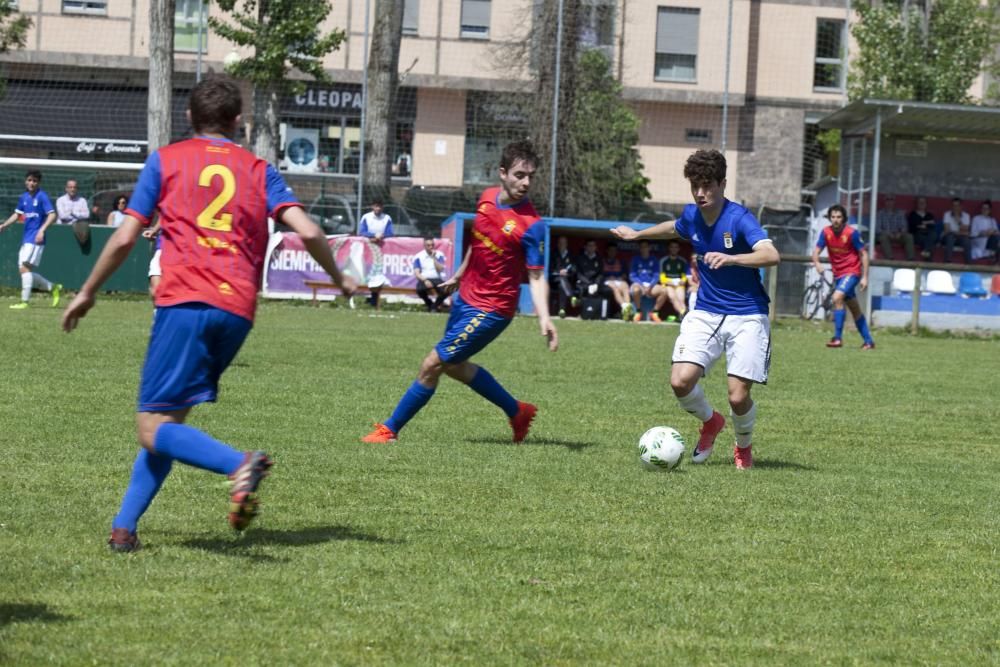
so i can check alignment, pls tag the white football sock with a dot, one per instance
(25, 286)
(696, 403)
(40, 282)
(743, 425)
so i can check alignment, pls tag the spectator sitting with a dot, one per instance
(673, 280)
(377, 226)
(891, 227)
(983, 235)
(956, 229)
(644, 273)
(615, 282)
(71, 207)
(428, 269)
(589, 270)
(563, 275)
(117, 214)
(923, 227)
(401, 167)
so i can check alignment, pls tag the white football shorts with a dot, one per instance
(154, 265)
(30, 255)
(745, 340)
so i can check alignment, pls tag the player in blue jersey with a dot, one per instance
(39, 214)
(644, 274)
(730, 316)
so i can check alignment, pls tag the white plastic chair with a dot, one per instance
(904, 280)
(940, 282)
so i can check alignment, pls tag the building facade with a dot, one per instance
(754, 83)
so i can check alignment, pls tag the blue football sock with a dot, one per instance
(838, 322)
(486, 386)
(148, 474)
(191, 446)
(415, 398)
(862, 326)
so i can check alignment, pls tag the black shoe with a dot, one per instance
(243, 505)
(122, 541)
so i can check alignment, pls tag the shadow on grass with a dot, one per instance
(243, 545)
(778, 464)
(568, 444)
(18, 612)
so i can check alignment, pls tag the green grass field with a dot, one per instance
(867, 532)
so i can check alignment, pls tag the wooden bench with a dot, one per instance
(317, 285)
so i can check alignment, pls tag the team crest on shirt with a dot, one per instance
(509, 227)
(727, 240)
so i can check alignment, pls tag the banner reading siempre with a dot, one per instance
(289, 264)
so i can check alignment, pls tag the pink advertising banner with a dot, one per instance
(289, 264)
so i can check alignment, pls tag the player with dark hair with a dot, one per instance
(730, 316)
(39, 214)
(849, 262)
(214, 199)
(507, 238)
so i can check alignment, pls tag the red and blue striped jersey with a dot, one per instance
(505, 241)
(214, 198)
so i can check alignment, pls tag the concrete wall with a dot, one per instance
(950, 169)
(439, 137)
(770, 167)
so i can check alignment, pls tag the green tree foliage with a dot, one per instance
(607, 179)
(284, 35)
(921, 51)
(13, 30)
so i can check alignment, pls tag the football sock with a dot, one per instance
(484, 384)
(838, 323)
(148, 474)
(40, 282)
(415, 398)
(191, 446)
(862, 326)
(743, 425)
(25, 286)
(696, 403)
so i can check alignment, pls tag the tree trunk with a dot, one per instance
(161, 68)
(380, 106)
(264, 133)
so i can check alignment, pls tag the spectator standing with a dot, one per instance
(644, 273)
(983, 234)
(428, 269)
(956, 229)
(891, 227)
(673, 281)
(923, 227)
(563, 275)
(39, 214)
(615, 281)
(117, 214)
(377, 226)
(71, 207)
(589, 270)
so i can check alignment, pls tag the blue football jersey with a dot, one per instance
(729, 290)
(35, 208)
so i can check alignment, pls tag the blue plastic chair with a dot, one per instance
(970, 284)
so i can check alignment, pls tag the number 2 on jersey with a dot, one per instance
(207, 218)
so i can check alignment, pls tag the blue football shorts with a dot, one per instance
(846, 284)
(190, 346)
(469, 330)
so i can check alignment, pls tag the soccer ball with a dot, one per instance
(661, 448)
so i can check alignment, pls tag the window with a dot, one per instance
(411, 17)
(187, 23)
(597, 25)
(475, 19)
(698, 136)
(676, 44)
(85, 6)
(828, 70)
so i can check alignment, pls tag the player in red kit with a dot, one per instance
(214, 199)
(849, 262)
(508, 237)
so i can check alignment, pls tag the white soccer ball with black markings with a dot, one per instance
(661, 448)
